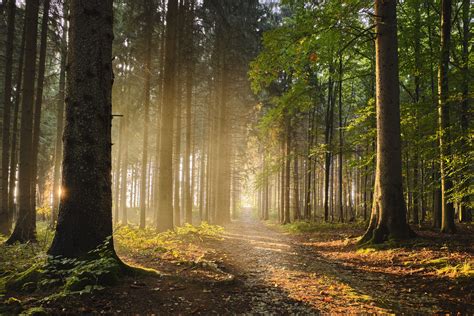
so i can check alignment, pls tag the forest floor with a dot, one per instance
(253, 267)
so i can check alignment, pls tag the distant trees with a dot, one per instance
(304, 146)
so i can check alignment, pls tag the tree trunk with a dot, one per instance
(388, 219)
(328, 143)
(286, 214)
(165, 182)
(465, 212)
(25, 227)
(39, 102)
(296, 190)
(341, 144)
(58, 153)
(447, 219)
(5, 218)
(14, 151)
(148, 6)
(85, 212)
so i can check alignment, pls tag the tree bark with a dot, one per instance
(465, 212)
(189, 98)
(14, 149)
(25, 227)
(5, 212)
(447, 206)
(165, 182)
(388, 219)
(148, 6)
(85, 212)
(39, 101)
(60, 120)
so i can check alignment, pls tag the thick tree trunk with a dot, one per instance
(85, 213)
(447, 219)
(25, 227)
(388, 219)
(165, 182)
(5, 217)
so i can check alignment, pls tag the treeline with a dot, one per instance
(317, 141)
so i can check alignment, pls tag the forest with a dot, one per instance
(236, 157)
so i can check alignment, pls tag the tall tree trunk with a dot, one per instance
(16, 110)
(328, 143)
(309, 171)
(5, 217)
(286, 214)
(296, 190)
(189, 95)
(388, 219)
(341, 144)
(149, 9)
(447, 219)
(39, 101)
(165, 182)
(58, 153)
(85, 213)
(465, 212)
(25, 227)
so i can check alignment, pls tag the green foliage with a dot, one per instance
(310, 227)
(148, 241)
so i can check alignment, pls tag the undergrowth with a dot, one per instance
(145, 242)
(313, 227)
(26, 268)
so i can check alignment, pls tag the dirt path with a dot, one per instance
(256, 268)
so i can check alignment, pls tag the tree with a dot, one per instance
(25, 227)
(58, 153)
(39, 101)
(85, 212)
(388, 219)
(165, 182)
(148, 70)
(5, 208)
(447, 206)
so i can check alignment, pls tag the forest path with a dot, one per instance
(258, 268)
(282, 274)
(287, 273)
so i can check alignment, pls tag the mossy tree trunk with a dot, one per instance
(85, 212)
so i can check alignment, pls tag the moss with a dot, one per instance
(35, 311)
(27, 280)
